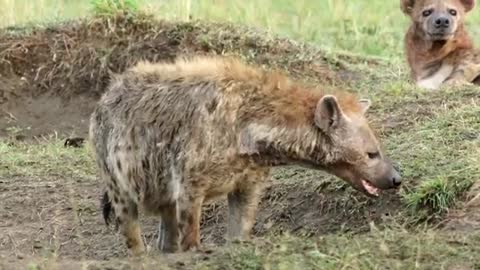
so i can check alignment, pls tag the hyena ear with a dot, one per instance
(327, 113)
(365, 104)
(407, 6)
(468, 4)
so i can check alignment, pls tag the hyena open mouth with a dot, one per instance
(371, 189)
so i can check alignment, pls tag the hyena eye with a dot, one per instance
(373, 155)
(452, 12)
(427, 12)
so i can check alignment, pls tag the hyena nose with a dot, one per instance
(442, 22)
(396, 179)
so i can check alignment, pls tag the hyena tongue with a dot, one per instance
(370, 188)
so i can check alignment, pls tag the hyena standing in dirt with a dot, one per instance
(171, 137)
(438, 47)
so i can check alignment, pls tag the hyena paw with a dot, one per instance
(137, 251)
(455, 83)
(167, 245)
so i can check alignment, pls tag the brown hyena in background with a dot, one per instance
(438, 47)
(171, 137)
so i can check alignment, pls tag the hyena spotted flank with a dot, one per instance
(170, 137)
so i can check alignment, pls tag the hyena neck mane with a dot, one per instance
(282, 129)
(272, 145)
(421, 49)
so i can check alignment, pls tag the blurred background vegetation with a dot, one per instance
(363, 27)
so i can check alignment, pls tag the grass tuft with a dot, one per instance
(433, 198)
(114, 7)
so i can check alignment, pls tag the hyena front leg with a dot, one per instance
(168, 230)
(190, 214)
(464, 74)
(242, 206)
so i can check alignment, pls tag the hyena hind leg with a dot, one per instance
(168, 231)
(179, 227)
(126, 212)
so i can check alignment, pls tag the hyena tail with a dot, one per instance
(107, 208)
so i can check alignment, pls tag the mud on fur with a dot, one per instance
(169, 137)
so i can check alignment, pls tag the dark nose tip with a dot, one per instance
(396, 179)
(442, 22)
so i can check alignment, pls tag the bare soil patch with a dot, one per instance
(58, 219)
(467, 218)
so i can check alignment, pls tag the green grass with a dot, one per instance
(390, 248)
(112, 7)
(435, 196)
(364, 27)
(44, 158)
(439, 152)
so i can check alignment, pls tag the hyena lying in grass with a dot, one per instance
(438, 47)
(171, 137)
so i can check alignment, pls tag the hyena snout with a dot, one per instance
(441, 26)
(441, 22)
(390, 178)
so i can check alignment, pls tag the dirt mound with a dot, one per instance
(51, 77)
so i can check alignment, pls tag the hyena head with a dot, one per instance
(437, 20)
(355, 153)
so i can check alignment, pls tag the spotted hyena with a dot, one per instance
(438, 47)
(170, 137)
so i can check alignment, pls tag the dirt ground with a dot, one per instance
(54, 216)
